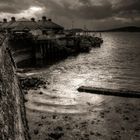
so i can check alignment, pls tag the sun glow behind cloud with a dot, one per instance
(33, 11)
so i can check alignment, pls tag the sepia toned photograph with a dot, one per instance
(69, 69)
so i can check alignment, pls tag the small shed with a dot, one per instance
(24, 25)
(6, 25)
(48, 25)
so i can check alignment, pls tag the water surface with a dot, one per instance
(115, 65)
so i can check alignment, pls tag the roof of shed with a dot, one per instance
(48, 24)
(24, 24)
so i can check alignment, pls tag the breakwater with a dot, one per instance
(110, 92)
(13, 124)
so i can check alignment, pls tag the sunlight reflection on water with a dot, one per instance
(115, 65)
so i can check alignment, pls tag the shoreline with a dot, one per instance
(107, 120)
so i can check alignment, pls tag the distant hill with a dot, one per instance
(124, 29)
(121, 29)
(76, 30)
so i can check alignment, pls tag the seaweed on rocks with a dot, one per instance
(31, 83)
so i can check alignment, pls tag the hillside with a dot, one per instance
(124, 29)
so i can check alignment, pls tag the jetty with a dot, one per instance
(110, 92)
(44, 39)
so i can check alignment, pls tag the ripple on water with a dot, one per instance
(115, 65)
(68, 102)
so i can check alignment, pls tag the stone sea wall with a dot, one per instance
(13, 124)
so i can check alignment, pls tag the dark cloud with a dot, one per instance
(128, 5)
(84, 9)
(128, 9)
(14, 6)
(93, 11)
(120, 11)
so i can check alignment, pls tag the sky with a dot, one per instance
(90, 14)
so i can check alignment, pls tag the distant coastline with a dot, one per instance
(123, 29)
(120, 29)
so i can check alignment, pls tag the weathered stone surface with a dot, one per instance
(13, 124)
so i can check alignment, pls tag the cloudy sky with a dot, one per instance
(94, 14)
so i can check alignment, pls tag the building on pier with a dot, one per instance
(43, 39)
(6, 25)
(48, 26)
(23, 25)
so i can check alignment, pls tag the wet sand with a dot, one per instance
(58, 116)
